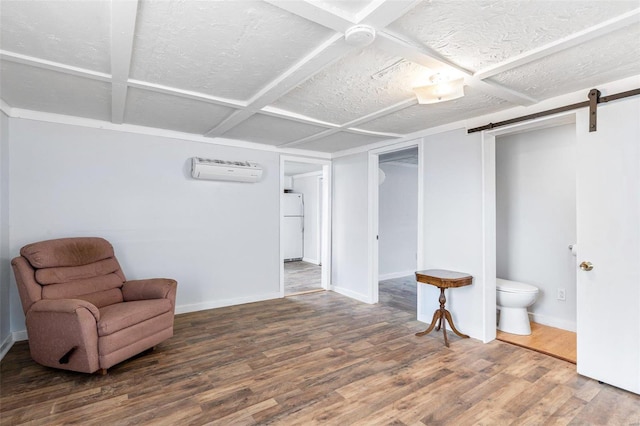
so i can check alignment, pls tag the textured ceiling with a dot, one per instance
(280, 73)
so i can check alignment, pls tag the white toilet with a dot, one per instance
(513, 298)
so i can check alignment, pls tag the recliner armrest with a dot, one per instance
(63, 333)
(64, 306)
(154, 288)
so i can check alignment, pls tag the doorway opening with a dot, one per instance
(395, 225)
(398, 228)
(304, 225)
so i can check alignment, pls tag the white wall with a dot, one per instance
(453, 237)
(307, 185)
(536, 217)
(350, 246)
(5, 276)
(219, 240)
(397, 220)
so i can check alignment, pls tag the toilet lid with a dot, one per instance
(514, 286)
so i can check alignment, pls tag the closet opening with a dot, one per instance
(536, 239)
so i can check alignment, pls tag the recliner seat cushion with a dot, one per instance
(126, 314)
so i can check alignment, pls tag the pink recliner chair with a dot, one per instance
(81, 312)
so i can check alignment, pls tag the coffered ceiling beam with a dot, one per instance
(326, 54)
(300, 118)
(350, 126)
(382, 112)
(417, 52)
(378, 13)
(381, 13)
(53, 66)
(315, 13)
(187, 94)
(425, 56)
(567, 42)
(123, 23)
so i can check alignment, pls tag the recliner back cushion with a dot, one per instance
(101, 290)
(77, 268)
(71, 273)
(67, 252)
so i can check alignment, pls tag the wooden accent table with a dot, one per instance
(443, 279)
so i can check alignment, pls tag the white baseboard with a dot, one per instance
(309, 260)
(183, 309)
(352, 294)
(12, 338)
(7, 343)
(394, 275)
(553, 322)
(550, 321)
(18, 336)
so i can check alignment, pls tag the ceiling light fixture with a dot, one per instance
(440, 90)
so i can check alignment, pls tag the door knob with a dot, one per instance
(586, 266)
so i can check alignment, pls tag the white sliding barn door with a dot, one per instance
(608, 222)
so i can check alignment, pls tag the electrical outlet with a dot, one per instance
(562, 294)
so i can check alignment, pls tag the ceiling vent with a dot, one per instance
(360, 35)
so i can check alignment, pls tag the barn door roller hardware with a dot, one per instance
(592, 104)
(594, 98)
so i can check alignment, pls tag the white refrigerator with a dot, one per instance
(293, 226)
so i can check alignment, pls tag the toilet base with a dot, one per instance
(514, 321)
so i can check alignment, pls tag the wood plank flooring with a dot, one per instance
(301, 277)
(548, 340)
(319, 358)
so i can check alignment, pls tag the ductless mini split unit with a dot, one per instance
(235, 171)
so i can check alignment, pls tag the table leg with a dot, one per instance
(436, 316)
(453, 327)
(442, 316)
(444, 333)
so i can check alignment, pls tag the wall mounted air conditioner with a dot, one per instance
(237, 171)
